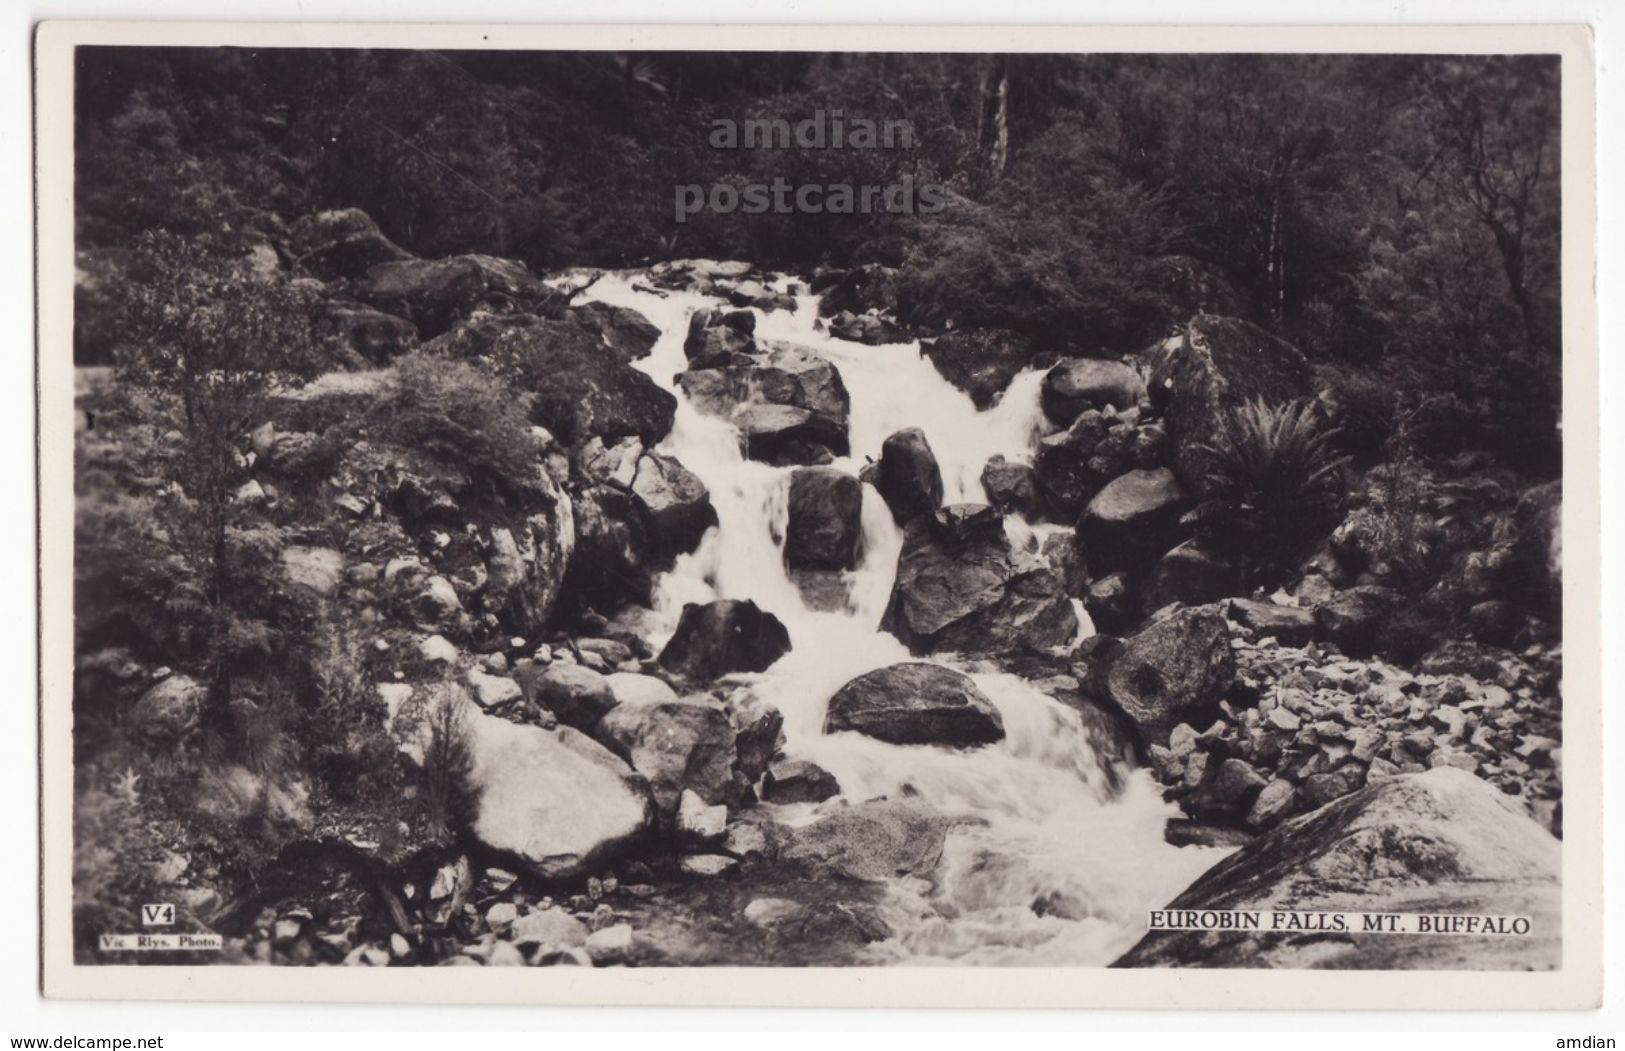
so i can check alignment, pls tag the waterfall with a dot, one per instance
(1044, 863)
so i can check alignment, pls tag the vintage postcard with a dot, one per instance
(731, 515)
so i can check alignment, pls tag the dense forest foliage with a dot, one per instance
(1396, 217)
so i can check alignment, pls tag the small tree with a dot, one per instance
(208, 340)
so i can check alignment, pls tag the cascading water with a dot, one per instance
(1046, 864)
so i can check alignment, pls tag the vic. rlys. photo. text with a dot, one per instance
(809, 508)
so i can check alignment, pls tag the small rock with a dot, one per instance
(767, 912)
(438, 649)
(549, 927)
(490, 691)
(610, 944)
(707, 866)
(698, 821)
(746, 841)
(367, 956)
(798, 781)
(1273, 805)
(505, 954)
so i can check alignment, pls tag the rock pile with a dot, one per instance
(1322, 725)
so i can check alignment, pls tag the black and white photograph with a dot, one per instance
(810, 509)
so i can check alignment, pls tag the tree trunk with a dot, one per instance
(993, 118)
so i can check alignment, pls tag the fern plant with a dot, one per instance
(1274, 478)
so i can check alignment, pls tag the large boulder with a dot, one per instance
(1201, 376)
(556, 800)
(980, 361)
(790, 404)
(343, 242)
(681, 745)
(1077, 384)
(580, 388)
(435, 294)
(908, 476)
(1356, 620)
(825, 527)
(782, 374)
(787, 435)
(729, 635)
(876, 840)
(1192, 575)
(717, 336)
(1132, 520)
(525, 573)
(961, 586)
(1441, 843)
(624, 331)
(678, 504)
(915, 703)
(615, 550)
(1174, 670)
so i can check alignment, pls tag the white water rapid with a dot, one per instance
(1041, 825)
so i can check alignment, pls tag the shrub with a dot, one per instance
(462, 416)
(447, 763)
(1276, 479)
(349, 751)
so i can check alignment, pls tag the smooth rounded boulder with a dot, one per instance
(915, 703)
(557, 801)
(1174, 670)
(1077, 384)
(1132, 520)
(908, 476)
(825, 527)
(729, 635)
